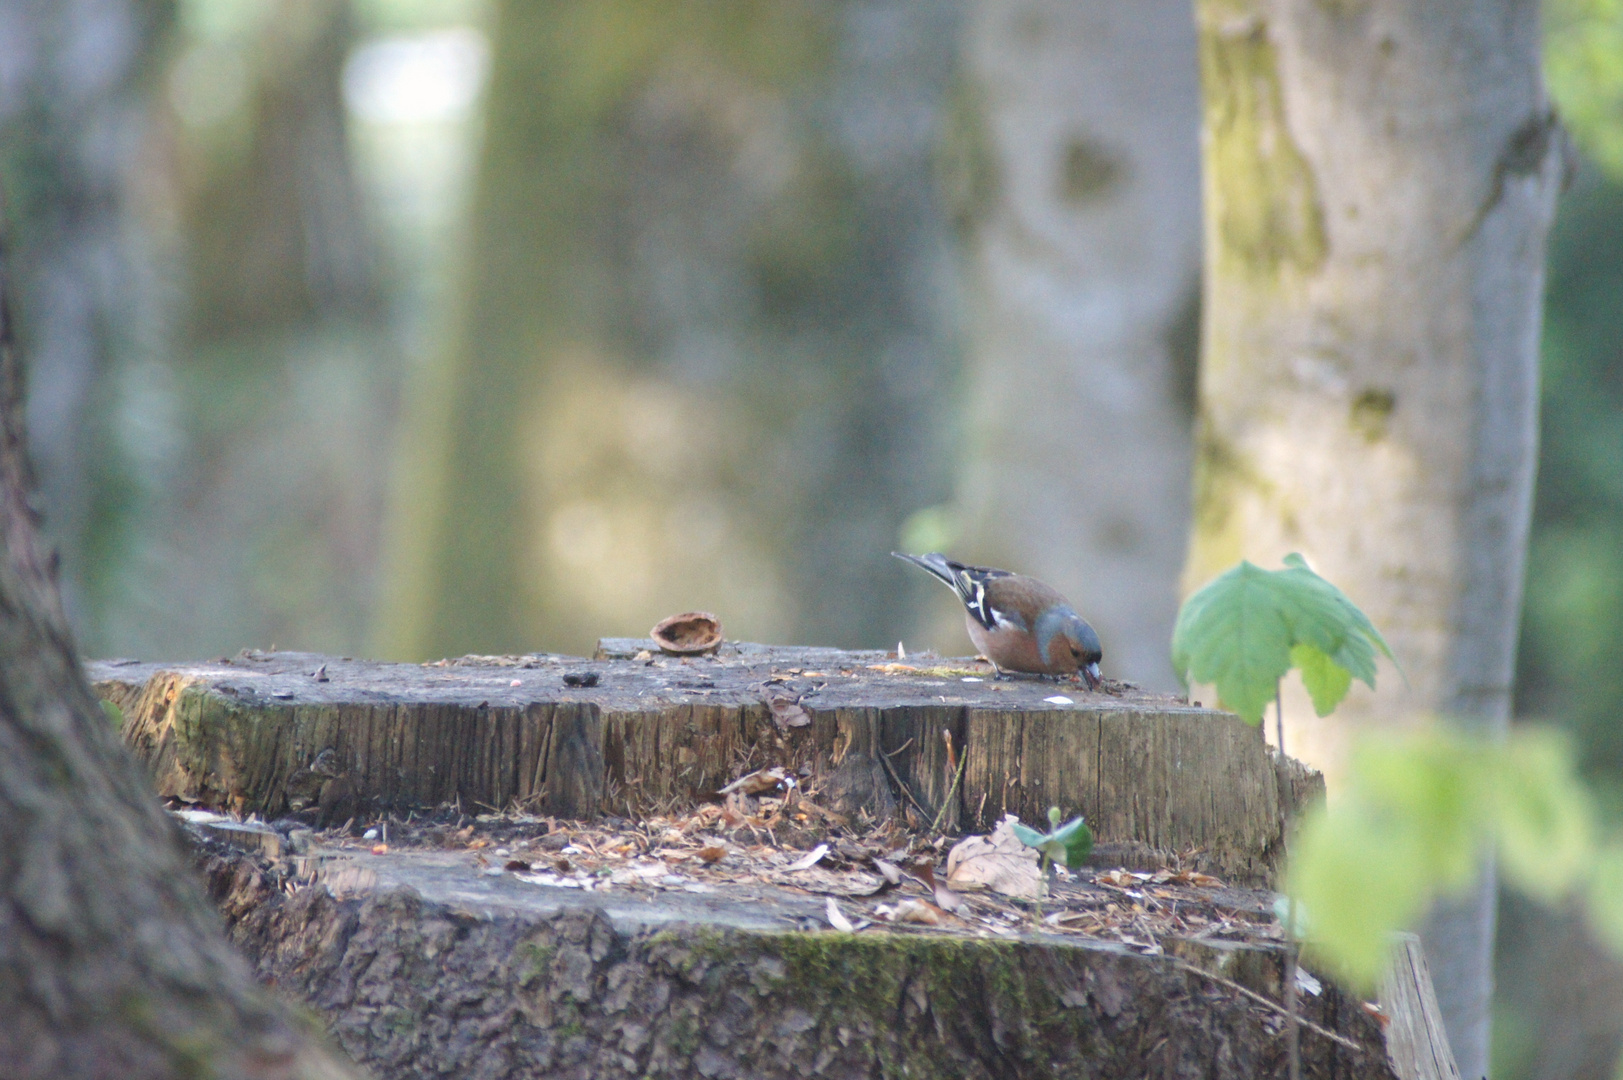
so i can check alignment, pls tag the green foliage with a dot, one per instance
(1250, 626)
(1327, 682)
(1069, 843)
(1583, 63)
(1415, 818)
(1605, 897)
(1572, 629)
(115, 715)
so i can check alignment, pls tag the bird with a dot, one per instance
(1017, 622)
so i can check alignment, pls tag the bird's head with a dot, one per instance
(1070, 644)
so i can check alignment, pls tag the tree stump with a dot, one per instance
(425, 965)
(437, 951)
(1158, 779)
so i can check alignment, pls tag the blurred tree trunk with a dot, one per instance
(73, 127)
(1380, 177)
(706, 343)
(112, 962)
(1077, 169)
(279, 403)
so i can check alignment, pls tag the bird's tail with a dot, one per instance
(936, 563)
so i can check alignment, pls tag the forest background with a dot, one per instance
(409, 328)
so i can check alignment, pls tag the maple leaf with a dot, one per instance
(1246, 629)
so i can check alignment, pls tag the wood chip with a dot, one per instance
(757, 782)
(787, 711)
(837, 919)
(810, 859)
(912, 911)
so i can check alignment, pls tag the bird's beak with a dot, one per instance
(1091, 676)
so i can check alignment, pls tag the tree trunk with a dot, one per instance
(112, 963)
(702, 360)
(1380, 176)
(73, 125)
(1078, 177)
(279, 409)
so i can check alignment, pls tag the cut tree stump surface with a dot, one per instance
(429, 958)
(630, 732)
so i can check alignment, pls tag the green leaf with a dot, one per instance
(1415, 817)
(1078, 844)
(115, 715)
(1240, 630)
(1327, 682)
(1428, 791)
(1605, 898)
(1360, 883)
(1583, 57)
(1233, 634)
(1542, 813)
(1027, 835)
(1070, 843)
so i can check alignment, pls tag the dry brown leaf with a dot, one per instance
(714, 853)
(515, 864)
(999, 862)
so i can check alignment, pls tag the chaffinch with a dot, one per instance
(1017, 622)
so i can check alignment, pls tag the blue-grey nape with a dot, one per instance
(1056, 620)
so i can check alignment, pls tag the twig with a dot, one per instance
(935, 826)
(1293, 1037)
(1279, 718)
(924, 815)
(1261, 999)
(1293, 1034)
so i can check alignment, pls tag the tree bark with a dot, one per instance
(426, 967)
(1077, 179)
(703, 357)
(112, 963)
(1380, 177)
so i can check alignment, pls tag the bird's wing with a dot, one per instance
(972, 585)
(969, 582)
